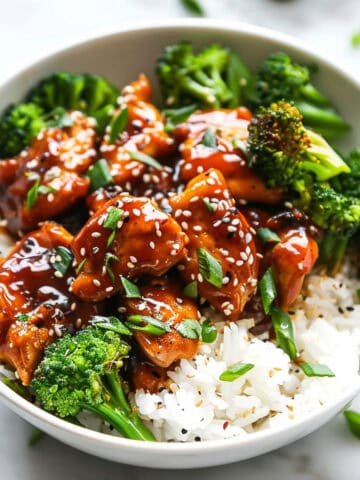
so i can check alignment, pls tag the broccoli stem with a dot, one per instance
(332, 250)
(312, 95)
(118, 398)
(325, 122)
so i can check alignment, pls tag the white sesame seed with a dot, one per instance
(235, 222)
(184, 225)
(231, 229)
(230, 259)
(73, 306)
(158, 233)
(58, 330)
(58, 274)
(78, 323)
(210, 181)
(122, 309)
(133, 259)
(177, 213)
(187, 213)
(251, 259)
(248, 238)
(200, 278)
(227, 312)
(248, 250)
(225, 280)
(197, 228)
(194, 199)
(50, 197)
(82, 251)
(235, 282)
(96, 234)
(136, 212)
(152, 245)
(217, 223)
(96, 282)
(109, 289)
(130, 265)
(239, 263)
(181, 268)
(243, 256)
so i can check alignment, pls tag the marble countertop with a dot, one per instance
(28, 27)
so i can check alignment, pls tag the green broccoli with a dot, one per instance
(288, 155)
(18, 126)
(80, 372)
(46, 106)
(215, 77)
(349, 184)
(279, 78)
(284, 151)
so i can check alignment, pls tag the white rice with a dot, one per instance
(275, 392)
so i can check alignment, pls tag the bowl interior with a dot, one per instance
(121, 56)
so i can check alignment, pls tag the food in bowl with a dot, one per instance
(186, 274)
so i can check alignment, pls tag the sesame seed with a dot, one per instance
(235, 282)
(217, 223)
(235, 222)
(136, 212)
(158, 233)
(58, 331)
(96, 234)
(96, 282)
(50, 197)
(130, 265)
(194, 199)
(230, 259)
(133, 259)
(58, 274)
(82, 251)
(181, 268)
(227, 312)
(243, 256)
(210, 181)
(122, 309)
(187, 213)
(73, 306)
(52, 259)
(152, 245)
(184, 225)
(78, 323)
(251, 259)
(200, 278)
(109, 289)
(177, 213)
(248, 238)
(225, 280)
(51, 332)
(231, 229)
(248, 250)
(197, 228)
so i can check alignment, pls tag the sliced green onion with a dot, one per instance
(193, 6)
(191, 290)
(208, 205)
(143, 158)
(235, 371)
(284, 332)
(210, 268)
(110, 238)
(268, 236)
(118, 124)
(353, 421)
(152, 325)
(22, 317)
(99, 175)
(267, 289)
(35, 437)
(209, 139)
(32, 195)
(110, 323)
(110, 257)
(189, 328)
(131, 290)
(113, 216)
(174, 116)
(208, 332)
(66, 256)
(316, 370)
(80, 267)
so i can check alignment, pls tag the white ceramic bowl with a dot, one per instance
(120, 55)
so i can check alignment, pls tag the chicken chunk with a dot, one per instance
(164, 301)
(144, 133)
(229, 129)
(128, 236)
(150, 378)
(35, 304)
(46, 180)
(207, 213)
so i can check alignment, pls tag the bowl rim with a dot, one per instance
(176, 448)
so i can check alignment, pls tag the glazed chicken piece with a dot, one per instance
(207, 213)
(150, 378)
(144, 133)
(35, 304)
(46, 179)
(229, 128)
(164, 301)
(128, 236)
(293, 257)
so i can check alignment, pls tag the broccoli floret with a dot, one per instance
(279, 78)
(81, 372)
(215, 77)
(18, 126)
(349, 184)
(288, 155)
(284, 151)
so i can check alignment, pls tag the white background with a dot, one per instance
(28, 27)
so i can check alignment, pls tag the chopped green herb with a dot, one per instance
(110, 323)
(355, 39)
(131, 290)
(22, 317)
(209, 139)
(208, 205)
(118, 124)
(147, 324)
(353, 421)
(36, 190)
(316, 370)
(268, 236)
(191, 290)
(210, 268)
(65, 261)
(267, 289)
(16, 387)
(99, 175)
(110, 238)
(189, 328)
(174, 116)
(35, 437)
(110, 257)
(208, 332)
(143, 158)
(235, 371)
(284, 332)
(113, 216)
(80, 266)
(193, 7)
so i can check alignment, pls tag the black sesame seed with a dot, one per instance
(350, 309)
(184, 431)
(341, 310)
(197, 439)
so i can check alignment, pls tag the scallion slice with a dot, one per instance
(118, 125)
(191, 290)
(131, 290)
(147, 324)
(110, 257)
(208, 205)
(174, 116)
(209, 139)
(316, 370)
(99, 175)
(113, 216)
(268, 236)
(284, 332)
(208, 332)
(65, 261)
(210, 268)
(353, 421)
(189, 328)
(235, 371)
(267, 289)
(110, 323)
(146, 159)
